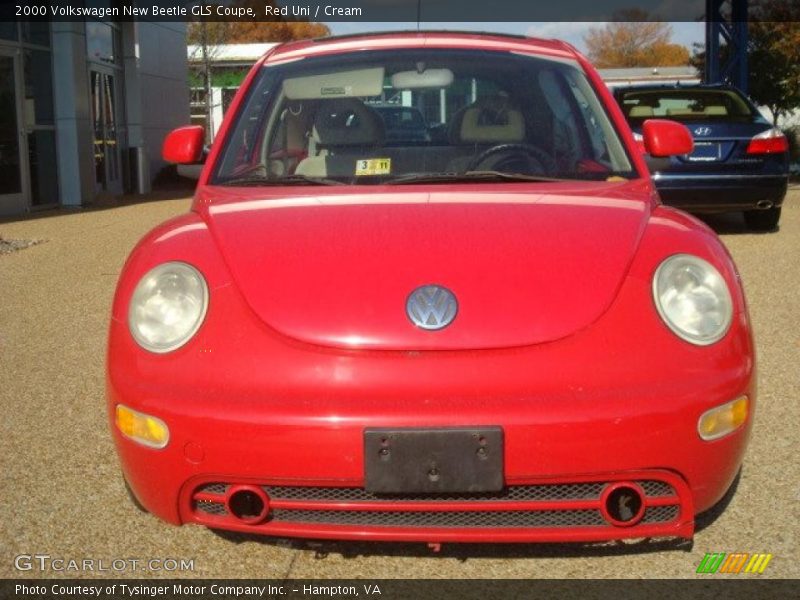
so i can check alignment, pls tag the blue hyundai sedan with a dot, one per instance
(740, 160)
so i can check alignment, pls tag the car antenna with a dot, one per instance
(419, 14)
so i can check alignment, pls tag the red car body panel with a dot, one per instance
(295, 359)
(348, 244)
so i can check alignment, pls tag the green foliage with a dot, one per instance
(228, 78)
(773, 56)
(221, 77)
(793, 136)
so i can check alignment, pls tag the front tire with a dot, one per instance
(763, 220)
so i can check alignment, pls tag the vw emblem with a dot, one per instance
(702, 130)
(431, 307)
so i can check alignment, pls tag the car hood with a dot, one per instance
(526, 267)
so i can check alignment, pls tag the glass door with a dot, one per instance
(13, 186)
(105, 114)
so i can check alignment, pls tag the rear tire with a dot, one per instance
(763, 220)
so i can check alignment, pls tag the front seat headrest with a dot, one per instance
(488, 121)
(347, 122)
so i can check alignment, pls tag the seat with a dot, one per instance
(291, 140)
(343, 130)
(715, 110)
(490, 120)
(679, 112)
(485, 123)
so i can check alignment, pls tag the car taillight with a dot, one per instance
(639, 139)
(771, 141)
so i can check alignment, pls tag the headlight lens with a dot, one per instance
(167, 307)
(693, 299)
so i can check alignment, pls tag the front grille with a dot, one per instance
(454, 519)
(211, 508)
(660, 514)
(215, 488)
(535, 506)
(655, 489)
(514, 493)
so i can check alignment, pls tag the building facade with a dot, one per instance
(84, 108)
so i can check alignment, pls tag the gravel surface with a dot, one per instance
(62, 493)
(9, 246)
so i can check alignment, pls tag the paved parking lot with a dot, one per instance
(59, 480)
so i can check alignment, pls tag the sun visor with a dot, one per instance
(342, 84)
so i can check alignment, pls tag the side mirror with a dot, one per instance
(666, 138)
(184, 145)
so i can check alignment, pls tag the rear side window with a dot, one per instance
(686, 105)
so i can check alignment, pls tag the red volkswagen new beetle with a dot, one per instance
(476, 323)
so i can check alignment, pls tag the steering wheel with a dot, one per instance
(534, 161)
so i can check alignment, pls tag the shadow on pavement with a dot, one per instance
(725, 223)
(350, 550)
(173, 190)
(708, 517)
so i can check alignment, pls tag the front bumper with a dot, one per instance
(247, 407)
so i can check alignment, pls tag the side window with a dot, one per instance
(596, 135)
(567, 139)
(248, 137)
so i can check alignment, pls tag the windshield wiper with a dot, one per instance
(295, 179)
(468, 176)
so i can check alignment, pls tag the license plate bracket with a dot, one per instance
(705, 152)
(433, 460)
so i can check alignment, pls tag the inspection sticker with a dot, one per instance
(374, 166)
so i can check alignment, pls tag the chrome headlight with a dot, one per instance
(167, 307)
(693, 299)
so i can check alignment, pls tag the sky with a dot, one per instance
(572, 32)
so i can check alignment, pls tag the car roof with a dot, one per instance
(392, 40)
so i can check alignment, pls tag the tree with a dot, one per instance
(208, 36)
(243, 32)
(632, 41)
(773, 56)
(281, 31)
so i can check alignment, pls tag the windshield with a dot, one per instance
(686, 105)
(421, 115)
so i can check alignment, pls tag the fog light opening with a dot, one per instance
(248, 503)
(623, 504)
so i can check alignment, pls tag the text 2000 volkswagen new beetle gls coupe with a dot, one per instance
(494, 332)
